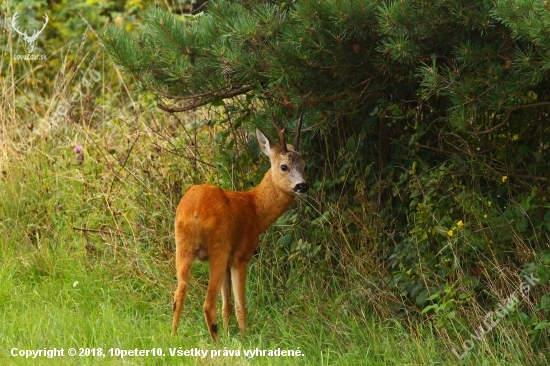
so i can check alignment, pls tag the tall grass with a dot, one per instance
(86, 256)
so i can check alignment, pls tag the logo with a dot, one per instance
(30, 41)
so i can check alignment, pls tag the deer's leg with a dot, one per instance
(218, 265)
(238, 279)
(184, 261)
(227, 309)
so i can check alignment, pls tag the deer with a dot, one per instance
(223, 227)
(30, 41)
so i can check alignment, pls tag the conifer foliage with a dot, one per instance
(307, 53)
(478, 56)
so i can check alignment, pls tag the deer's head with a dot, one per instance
(287, 166)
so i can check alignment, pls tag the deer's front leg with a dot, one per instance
(227, 308)
(218, 265)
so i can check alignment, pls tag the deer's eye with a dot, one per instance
(284, 168)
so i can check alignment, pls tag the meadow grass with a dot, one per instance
(64, 287)
(86, 252)
(77, 269)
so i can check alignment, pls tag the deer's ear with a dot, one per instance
(265, 144)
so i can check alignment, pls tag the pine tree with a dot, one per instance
(468, 60)
(313, 52)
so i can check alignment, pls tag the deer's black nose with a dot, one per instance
(301, 188)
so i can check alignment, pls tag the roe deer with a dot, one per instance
(223, 227)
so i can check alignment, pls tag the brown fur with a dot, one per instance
(223, 227)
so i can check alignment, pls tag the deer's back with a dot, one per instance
(211, 217)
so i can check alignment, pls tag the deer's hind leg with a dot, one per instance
(184, 261)
(218, 270)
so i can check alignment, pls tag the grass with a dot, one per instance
(48, 308)
(79, 270)
(86, 252)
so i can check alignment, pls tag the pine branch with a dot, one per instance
(200, 103)
(492, 129)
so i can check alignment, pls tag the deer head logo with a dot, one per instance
(30, 41)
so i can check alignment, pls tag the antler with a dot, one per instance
(281, 133)
(297, 136)
(14, 26)
(36, 33)
(45, 23)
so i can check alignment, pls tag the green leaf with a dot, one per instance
(217, 103)
(430, 307)
(285, 240)
(522, 224)
(422, 298)
(545, 258)
(524, 317)
(352, 143)
(542, 325)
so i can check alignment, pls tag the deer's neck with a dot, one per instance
(270, 201)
